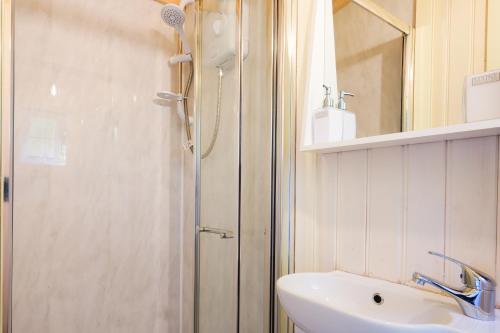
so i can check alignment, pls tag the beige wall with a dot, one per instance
(369, 64)
(493, 37)
(452, 41)
(98, 169)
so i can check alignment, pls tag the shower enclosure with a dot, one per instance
(109, 222)
(235, 190)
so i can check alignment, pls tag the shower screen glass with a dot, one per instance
(235, 128)
(99, 216)
(109, 234)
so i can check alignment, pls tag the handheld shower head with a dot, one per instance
(174, 16)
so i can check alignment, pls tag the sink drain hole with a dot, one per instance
(378, 299)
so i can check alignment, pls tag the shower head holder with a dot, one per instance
(180, 58)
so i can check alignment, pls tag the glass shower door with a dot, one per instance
(218, 167)
(234, 164)
(98, 181)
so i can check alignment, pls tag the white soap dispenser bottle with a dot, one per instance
(332, 124)
(348, 118)
(322, 119)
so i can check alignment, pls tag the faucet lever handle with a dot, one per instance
(437, 254)
(471, 277)
(343, 93)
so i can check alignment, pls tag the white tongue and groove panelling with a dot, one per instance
(379, 211)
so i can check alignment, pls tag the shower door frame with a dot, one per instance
(280, 175)
(285, 80)
(6, 171)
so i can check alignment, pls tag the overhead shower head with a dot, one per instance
(174, 16)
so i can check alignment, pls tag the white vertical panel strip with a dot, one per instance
(405, 212)
(385, 212)
(426, 209)
(471, 204)
(423, 64)
(498, 226)
(493, 42)
(461, 54)
(309, 74)
(480, 35)
(440, 62)
(351, 214)
(305, 219)
(326, 213)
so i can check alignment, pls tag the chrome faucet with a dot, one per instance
(477, 298)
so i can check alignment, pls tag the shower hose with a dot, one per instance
(215, 132)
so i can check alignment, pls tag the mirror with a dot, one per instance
(370, 63)
(411, 65)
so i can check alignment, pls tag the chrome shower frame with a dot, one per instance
(285, 146)
(7, 119)
(199, 154)
(283, 154)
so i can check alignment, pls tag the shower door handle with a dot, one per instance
(224, 234)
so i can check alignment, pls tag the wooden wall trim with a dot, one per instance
(339, 4)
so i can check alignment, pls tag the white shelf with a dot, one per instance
(470, 130)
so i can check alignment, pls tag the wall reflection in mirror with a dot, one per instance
(404, 65)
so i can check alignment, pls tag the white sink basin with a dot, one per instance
(339, 302)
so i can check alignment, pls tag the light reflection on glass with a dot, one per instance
(53, 90)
